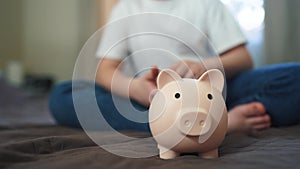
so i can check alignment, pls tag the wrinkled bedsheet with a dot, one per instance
(59, 147)
(29, 139)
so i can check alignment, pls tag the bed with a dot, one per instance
(29, 138)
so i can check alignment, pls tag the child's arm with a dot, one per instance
(139, 89)
(234, 61)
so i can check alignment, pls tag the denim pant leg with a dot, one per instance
(277, 87)
(63, 110)
(122, 113)
(61, 105)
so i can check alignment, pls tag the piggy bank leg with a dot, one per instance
(166, 154)
(210, 154)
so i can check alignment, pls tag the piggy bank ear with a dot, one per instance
(167, 76)
(215, 77)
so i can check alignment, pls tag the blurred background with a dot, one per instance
(41, 39)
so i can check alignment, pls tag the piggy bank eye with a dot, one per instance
(210, 96)
(177, 95)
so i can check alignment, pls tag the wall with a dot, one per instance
(10, 31)
(46, 35)
(89, 18)
(106, 7)
(50, 37)
(87, 63)
(282, 35)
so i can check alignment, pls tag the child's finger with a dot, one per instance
(155, 72)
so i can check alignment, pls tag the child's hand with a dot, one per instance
(143, 88)
(189, 69)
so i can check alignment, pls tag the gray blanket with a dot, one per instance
(59, 147)
(26, 142)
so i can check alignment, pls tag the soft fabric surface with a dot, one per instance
(59, 147)
(30, 139)
(19, 107)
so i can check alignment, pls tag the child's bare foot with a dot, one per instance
(248, 118)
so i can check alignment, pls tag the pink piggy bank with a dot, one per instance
(188, 115)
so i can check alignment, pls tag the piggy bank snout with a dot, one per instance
(194, 123)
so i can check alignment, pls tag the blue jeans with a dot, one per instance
(277, 87)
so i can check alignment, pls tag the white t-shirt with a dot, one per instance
(144, 33)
